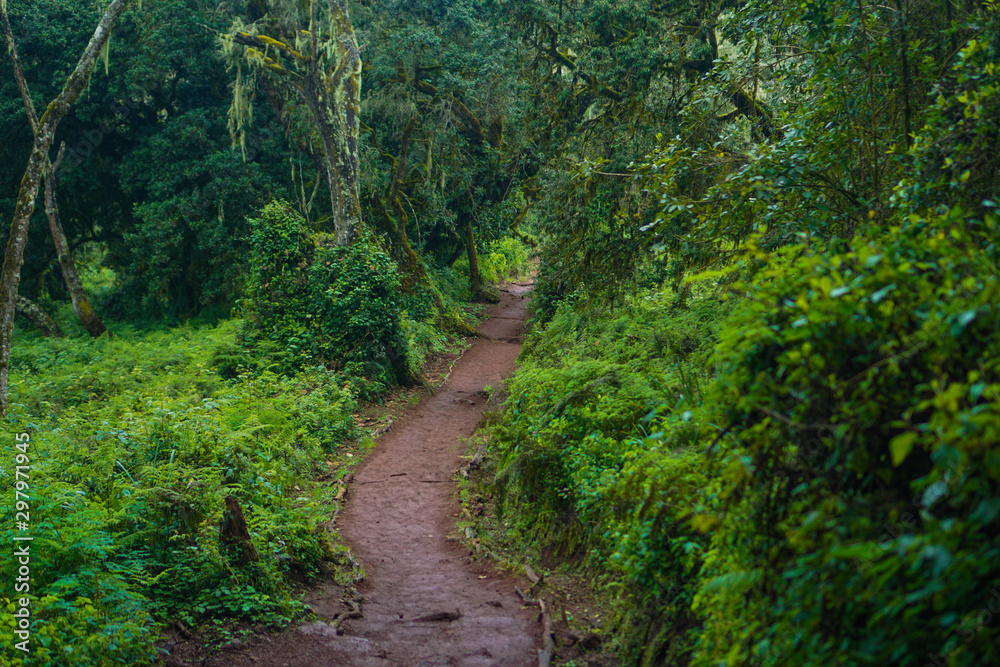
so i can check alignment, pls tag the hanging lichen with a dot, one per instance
(105, 52)
(241, 110)
(320, 67)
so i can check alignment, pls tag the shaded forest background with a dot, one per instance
(761, 401)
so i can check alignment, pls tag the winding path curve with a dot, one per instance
(425, 602)
(400, 519)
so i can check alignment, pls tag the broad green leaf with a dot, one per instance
(901, 446)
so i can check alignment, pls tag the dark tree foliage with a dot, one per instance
(149, 172)
(443, 129)
(608, 80)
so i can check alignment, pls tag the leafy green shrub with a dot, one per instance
(81, 633)
(316, 303)
(830, 497)
(861, 390)
(596, 457)
(861, 395)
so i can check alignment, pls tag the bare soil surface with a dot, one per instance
(425, 601)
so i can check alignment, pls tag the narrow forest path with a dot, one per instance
(400, 519)
(426, 603)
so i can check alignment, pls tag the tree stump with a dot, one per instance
(234, 538)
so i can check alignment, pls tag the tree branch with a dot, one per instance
(32, 311)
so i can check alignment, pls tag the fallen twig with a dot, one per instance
(451, 367)
(340, 618)
(548, 649)
(384, 479)
(355, 611)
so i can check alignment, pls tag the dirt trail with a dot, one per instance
(400, 523)
(401, 512)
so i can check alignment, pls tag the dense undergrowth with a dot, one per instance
(806, 473)
(135, 443)
(762, 401)
(598, 454)
(137, 440)
(792, 458)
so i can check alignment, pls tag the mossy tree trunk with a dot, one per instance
(81, 304)
(339, 134)
(25, 206)
(326, 76)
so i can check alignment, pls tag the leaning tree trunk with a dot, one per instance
(81, 304)
(479, 293)
(25, 206)
(38, 317)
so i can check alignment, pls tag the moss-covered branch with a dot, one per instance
(33, 312)
(326, 76)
